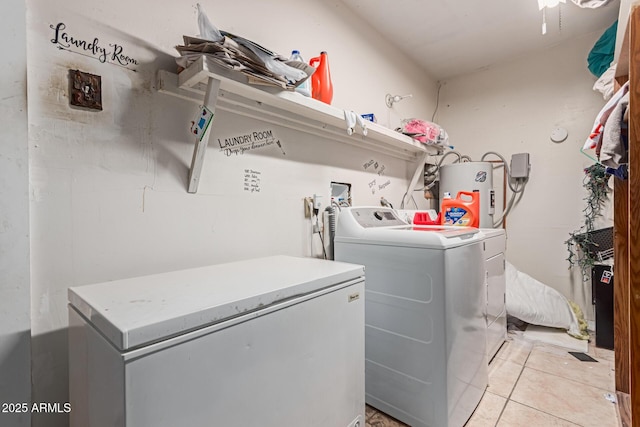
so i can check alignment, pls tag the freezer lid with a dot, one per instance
(137, 311)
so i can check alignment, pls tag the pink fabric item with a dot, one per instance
(421, 130)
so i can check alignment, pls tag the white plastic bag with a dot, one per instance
(206, 28)
(538, 304)
(271, 61)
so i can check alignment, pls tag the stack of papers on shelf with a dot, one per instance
(260, 65)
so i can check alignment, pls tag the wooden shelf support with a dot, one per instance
(200, 149)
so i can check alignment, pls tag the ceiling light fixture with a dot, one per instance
(543, 5)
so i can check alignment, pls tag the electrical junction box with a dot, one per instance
(520, 165)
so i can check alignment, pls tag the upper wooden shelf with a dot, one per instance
(621, 55)
(284, 108)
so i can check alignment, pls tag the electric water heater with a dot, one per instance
(471, 176)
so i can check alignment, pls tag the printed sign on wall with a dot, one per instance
(250, 141)
(110, 53)
(379, 169)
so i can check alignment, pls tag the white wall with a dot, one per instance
(15, 351)
(512, 108)
(108, 189)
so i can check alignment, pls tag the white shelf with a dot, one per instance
(280, 107)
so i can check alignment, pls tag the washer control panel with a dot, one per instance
(376, 217)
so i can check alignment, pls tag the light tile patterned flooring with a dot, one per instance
(535, 384)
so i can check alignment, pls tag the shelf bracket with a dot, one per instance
(200, 148)
(414, 181)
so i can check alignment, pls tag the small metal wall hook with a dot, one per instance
(392, 99)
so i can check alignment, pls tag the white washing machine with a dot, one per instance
(425, 327)
(494, 247)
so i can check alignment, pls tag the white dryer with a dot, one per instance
(425, 328)
(494, 249)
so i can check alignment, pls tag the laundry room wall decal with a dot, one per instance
(385, 185)
(248, 141)
(111, 53)
(372, 186)
(378, 168)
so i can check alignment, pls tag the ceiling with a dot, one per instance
(453, 37)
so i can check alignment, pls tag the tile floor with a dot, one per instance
(537, 384)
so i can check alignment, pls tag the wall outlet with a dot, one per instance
(317, 202)
(308, 206)
(312, 204)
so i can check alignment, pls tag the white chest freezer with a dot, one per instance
(276, 341)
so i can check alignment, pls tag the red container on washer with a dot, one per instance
(423, 218)
(464, 210)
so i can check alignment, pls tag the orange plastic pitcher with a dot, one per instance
(464, 210)
(321, 86)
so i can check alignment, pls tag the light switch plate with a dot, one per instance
(85, 90)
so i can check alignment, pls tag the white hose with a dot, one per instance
(506, 167)
(515, 190)
(506, 211)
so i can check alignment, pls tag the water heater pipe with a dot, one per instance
(515, 190)
(418, 173)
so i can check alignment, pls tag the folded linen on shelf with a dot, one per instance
(596, 133)
(605, 84)
(613, 152)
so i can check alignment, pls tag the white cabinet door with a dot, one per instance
(496, 311)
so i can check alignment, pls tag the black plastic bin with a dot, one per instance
(598, 243)
(602, 284)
